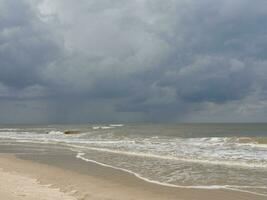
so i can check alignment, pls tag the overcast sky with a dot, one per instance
(75, 61)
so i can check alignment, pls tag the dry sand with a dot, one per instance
(23, 179)
(16, 186)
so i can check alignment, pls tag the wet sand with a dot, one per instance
(60, 174)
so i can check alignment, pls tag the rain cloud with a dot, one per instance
(66, 61)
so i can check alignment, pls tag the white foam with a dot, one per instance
(116, 125)
(209, 187)
(96, 127)
(55, 133)
(210, 162)
(188, 150)
(106, 127)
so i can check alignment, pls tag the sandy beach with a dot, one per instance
(61, 176)
(17, 186)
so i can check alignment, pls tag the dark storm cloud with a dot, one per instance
(26, 46)
(135, 60)
(214, 79)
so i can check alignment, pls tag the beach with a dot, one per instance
(57, 174)
(127, 162)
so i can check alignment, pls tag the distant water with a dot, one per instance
(232, 156)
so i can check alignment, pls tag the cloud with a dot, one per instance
(211, 78)
(26, 46)
(134, 60)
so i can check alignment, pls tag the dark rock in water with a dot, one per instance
(71, 132)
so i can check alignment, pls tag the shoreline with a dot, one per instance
(212, 187)
(108, 185)
(79, 155)
(59, 167)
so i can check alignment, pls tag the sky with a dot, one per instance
(82, 61)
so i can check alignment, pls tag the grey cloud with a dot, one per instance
(26, 46)
(138, 58)
(211, 78)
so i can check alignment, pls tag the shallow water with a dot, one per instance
(232, 156)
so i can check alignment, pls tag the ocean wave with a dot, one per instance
(55, 133)
(247, 140)
(96, 127)
(9, 129)
(192, 160)
(208, 151)
(156, 143)
(81, 155)
(106, 127)
(260, 142)
(116, 125)
(102, 127)
(110, 126)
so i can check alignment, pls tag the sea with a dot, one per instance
(211, 156)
